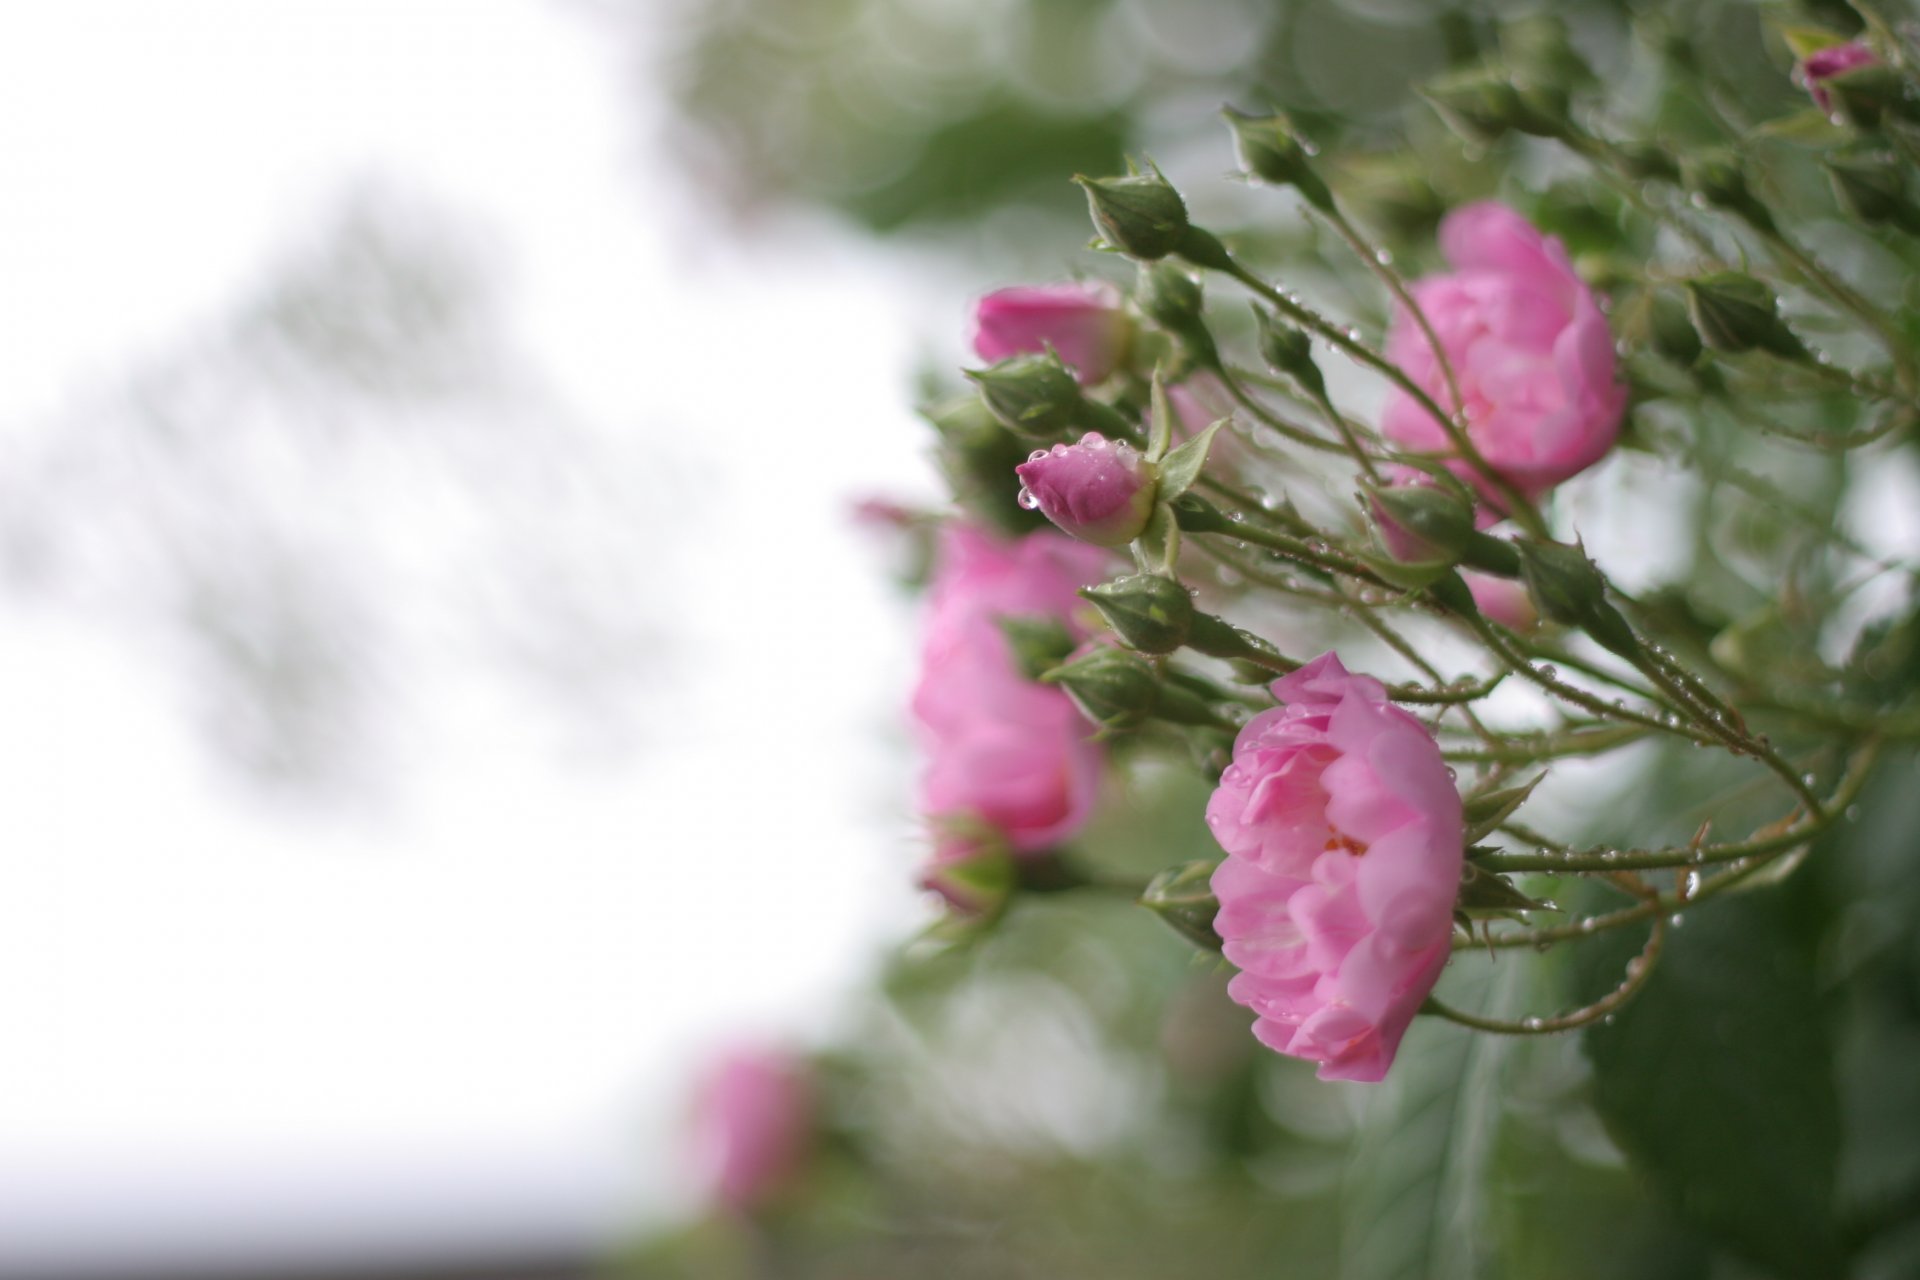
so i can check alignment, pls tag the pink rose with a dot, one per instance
(1823, 65)
(1531, 351)
(753, 1117)
(1082, 322)
(1003, 752)
(1098, 490)
(1503, 600)
(1344, 847)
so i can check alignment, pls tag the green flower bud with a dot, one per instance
(1115, 688)
(1150, 613)
(1569, 589)
(976, 454)
(1392, 192)
(1289, 350)
(1035, 394)
(1734, 313)
(1141, 214)
(1670, 331)
(1172, 299)
(1873, 188)
(1421, 524)
(1271, 151)
(1182, 896)
(1478, 103)
(1717, 178)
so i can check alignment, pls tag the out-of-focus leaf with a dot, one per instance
(1421, 1165)
(1718, 1083)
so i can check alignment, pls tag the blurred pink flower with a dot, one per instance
(753, 1121)
(1003, 752)
(1531, 351)
(1823, 65)
(1344, 839)
(1504, 600)
(1082, 322)
(1098, 490)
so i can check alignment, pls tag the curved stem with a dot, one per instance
(1639, 969)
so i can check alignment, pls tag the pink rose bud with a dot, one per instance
(975, 875)
(1344, 842)
(1528, 346)
(1504, 600)
(753, 1117)
(1004, 753)
(1083, 323)
(1099, 490)
(1823, 65)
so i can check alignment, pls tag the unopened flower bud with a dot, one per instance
(1671, 332)
(1115, 688)
(1141, 214)
(1172, 299)
(1084, 323)
(1289, 350)
(1569, 589)
(1873, 188)
(1182, 896)
(1820, 67)
(1271, 151)
(976, 875)
(975, 453)
(1717, 178)
(1421, 525)
(1099, 490)
(1503, 600)
(1478, 103)
(1149, 612)
(1863, 95)
(1118, 690)
(1035, 395)
(1734, 313)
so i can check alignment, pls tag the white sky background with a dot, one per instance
(466, 1011)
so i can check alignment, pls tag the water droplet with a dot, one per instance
(1676, 920)
(1532, 1024)
(1384, 257)
(1027, 500)
(1036, 455)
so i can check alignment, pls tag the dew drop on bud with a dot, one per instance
(1027, 500)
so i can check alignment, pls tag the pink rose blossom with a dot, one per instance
(1099, 490)
(1503, 600)
(1082, 322)
(1531, 351)
(1823, 65)
(1344, 840)
(1003, 752)
(752, 1125)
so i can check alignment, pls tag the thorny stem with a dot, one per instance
(1398, 288)
(1788, 836)
(1639, 969)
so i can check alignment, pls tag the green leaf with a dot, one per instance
(1808, 126)
(1718, 1083)
(1183, 465)
(1415, 1188)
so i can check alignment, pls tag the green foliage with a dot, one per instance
(1718, 1081)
